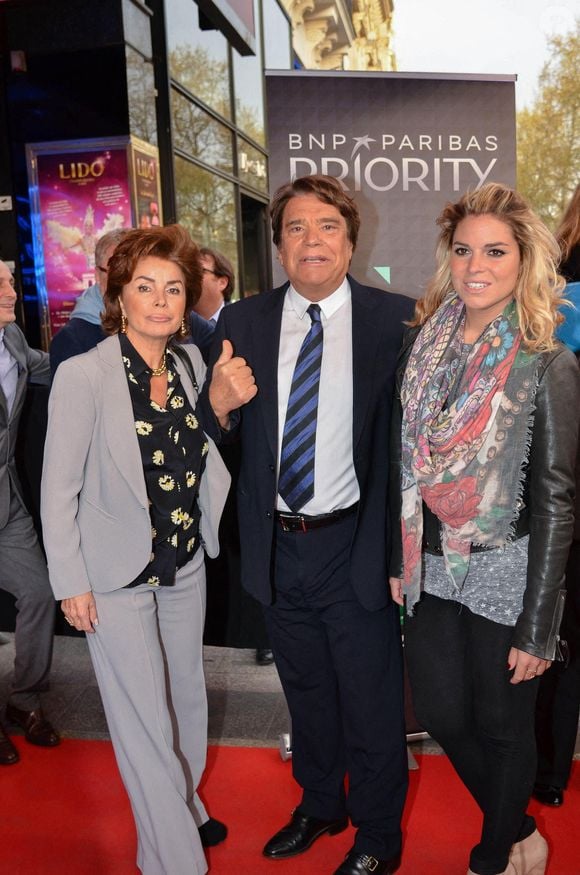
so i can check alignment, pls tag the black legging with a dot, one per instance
(459, 677)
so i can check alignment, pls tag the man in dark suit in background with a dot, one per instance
(217, 288)
(22, 567)
(312, 506)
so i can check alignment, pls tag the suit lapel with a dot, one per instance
(365, 340)
(20, 389)
(265, 346)
(118, 419)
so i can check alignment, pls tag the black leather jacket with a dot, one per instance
(547, 504)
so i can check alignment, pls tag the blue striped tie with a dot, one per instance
(296, 479)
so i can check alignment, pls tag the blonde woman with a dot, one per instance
(486, 445)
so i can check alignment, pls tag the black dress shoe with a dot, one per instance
(553, 796)
(299, 834)
(37, 729)
(264, 656)
(212, 832)
(363, 864)
(8, 753)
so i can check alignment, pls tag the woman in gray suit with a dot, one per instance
(132, 494)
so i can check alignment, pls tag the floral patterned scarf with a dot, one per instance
(464, 446)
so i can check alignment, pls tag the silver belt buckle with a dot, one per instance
(283, 522)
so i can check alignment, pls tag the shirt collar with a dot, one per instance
(136, 364)
(328, 305)
(215, 316)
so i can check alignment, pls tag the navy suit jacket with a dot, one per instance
(201, 331)
(253, 326)
(74, 338)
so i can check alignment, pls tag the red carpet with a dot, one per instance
(64, 812)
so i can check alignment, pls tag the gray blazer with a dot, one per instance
(94, 504)
(33, 365)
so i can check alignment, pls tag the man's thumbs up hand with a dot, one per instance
(232, 384)
(226, 354)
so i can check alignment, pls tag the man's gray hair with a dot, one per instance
(104, 243)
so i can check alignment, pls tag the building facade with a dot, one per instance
(342, 35)
(185, 77)
(166, 72)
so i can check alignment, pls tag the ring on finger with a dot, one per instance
(69, 621)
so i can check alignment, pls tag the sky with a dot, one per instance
(480, 36)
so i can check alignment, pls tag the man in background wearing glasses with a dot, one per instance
(218, 284)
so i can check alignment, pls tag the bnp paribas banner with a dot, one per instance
(402, 144)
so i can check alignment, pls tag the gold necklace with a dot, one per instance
(158, 372)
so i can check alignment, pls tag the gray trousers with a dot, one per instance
(23, 574)
(147, 656)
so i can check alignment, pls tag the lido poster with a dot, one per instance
(79, 191)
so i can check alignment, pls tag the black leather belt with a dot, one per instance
(299, 522)
(437, 550)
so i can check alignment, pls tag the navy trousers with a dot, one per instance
(341, 670)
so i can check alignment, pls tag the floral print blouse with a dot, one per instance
(173, 450)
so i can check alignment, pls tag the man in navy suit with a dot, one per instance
(318, 562)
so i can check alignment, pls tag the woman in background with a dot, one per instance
(568, 236)
(487, 446)
(132, 493)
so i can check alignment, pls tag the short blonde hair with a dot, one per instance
(538, 289)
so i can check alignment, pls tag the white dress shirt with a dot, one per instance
(8, 373)
(213, 319)
(335, 483)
